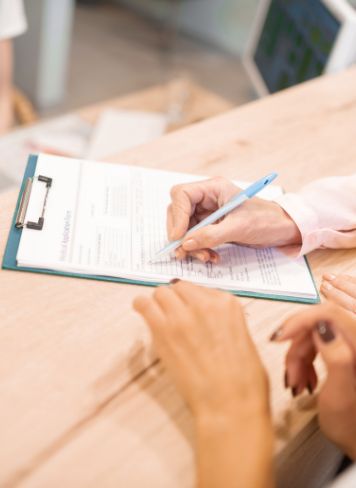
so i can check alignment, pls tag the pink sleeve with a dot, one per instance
(325, 212)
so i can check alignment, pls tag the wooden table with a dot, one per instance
(84, 402)
(196, 103)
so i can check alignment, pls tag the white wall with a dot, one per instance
(225, 23)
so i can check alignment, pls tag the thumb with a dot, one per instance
(208, 237)
(337, 356)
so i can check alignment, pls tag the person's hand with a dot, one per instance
(340, 290)
(202, 338)
(331, 332)
(258, 222)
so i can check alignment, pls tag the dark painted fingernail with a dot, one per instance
(325, 331)
(310, 388)
(276, 334)
(286, 384)
(294, 391)
(174, 281)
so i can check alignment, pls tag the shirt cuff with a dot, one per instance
(306, 220)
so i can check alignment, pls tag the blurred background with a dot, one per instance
(152, 66)
(79, 52)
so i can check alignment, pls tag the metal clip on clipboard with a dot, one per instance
(25, 199)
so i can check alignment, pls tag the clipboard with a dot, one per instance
(18, 223)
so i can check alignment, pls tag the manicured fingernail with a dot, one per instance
(294, 391)
(329, 276)
(189, 245)
(174, 281)
(326, 285)
(310, 388)
(286, 383)
(276, 334)
(325, 331)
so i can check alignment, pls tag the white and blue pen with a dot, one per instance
(235, 202)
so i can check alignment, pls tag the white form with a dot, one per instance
(118, 130)
(110, 220)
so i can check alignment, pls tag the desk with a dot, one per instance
(84, 403)
(197, 103)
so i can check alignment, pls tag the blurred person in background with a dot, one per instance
(12, 24)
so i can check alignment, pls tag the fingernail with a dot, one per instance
(276, 334)
(329, 276)
(325, 331)
(294, 391)
(310, 388)
(326, 285)
(174, 281)
(189, 245)
(286, 383)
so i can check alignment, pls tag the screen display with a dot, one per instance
(295, 43)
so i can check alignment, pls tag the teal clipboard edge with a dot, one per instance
(9, 259)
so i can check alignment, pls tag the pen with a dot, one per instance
(235, 202)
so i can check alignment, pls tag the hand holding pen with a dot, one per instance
(256, 222)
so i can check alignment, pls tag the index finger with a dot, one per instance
(185, 198)
(304, 322)
(341, 290)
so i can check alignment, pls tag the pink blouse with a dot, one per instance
(325, 212)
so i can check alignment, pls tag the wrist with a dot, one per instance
(226, 436)
(248, 438)
(287, 232)
(234, 419)
(226, 404)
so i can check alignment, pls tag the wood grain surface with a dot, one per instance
(83, 400)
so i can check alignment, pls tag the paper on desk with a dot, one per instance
(67, 135)
(117, 130)
(110, 220)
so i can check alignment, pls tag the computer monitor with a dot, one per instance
(295, 40)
